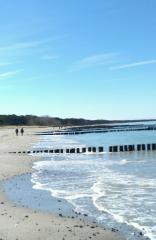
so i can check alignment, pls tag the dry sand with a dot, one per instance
(19, 223)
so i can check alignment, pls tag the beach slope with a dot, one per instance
(20, 223)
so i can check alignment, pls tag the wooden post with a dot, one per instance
(100, 149)
(72, 150)
(138, 147)
(121, 148)
(143, 147)
(115, 148)
(78, 150)
(83, 150)
(125, 148)
(148, 147)
(153, 146)
(89, 149)
(110, 149)
(131, 148)
(94, 149)
(57, 151)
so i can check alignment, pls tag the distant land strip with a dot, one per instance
(32, 120)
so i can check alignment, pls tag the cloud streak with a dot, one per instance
(9, 74)
(4, 64)
(25, 45)
(133, 65)
(49, 57)
(94, 61)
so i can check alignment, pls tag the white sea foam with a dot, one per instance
(123, 161)
(103, 185)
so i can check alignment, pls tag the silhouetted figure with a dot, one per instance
(16, 131)
(22, 131)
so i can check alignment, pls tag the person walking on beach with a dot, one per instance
(16, 131)
(22, 131)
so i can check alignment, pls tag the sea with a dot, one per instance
(117, 190)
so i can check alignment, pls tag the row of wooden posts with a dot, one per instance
(72, 132)
(68, 150)
(111, 149)
(130, 148)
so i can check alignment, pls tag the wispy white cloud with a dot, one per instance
(94, 60)
(4, 64)
(134, 64)
(49, 57)
(21, 49)
(30, 43)
(9, 74)
(24, 45)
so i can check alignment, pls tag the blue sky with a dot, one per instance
(78, 58)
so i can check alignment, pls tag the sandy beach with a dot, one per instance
(20, 223)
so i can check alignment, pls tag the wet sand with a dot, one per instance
(21, 223)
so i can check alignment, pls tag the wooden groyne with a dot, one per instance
(76, 132)
(131, 148)
(100, 149)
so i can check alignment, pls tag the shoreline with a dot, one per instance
(23, 223)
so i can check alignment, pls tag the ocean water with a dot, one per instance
(116, 189)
